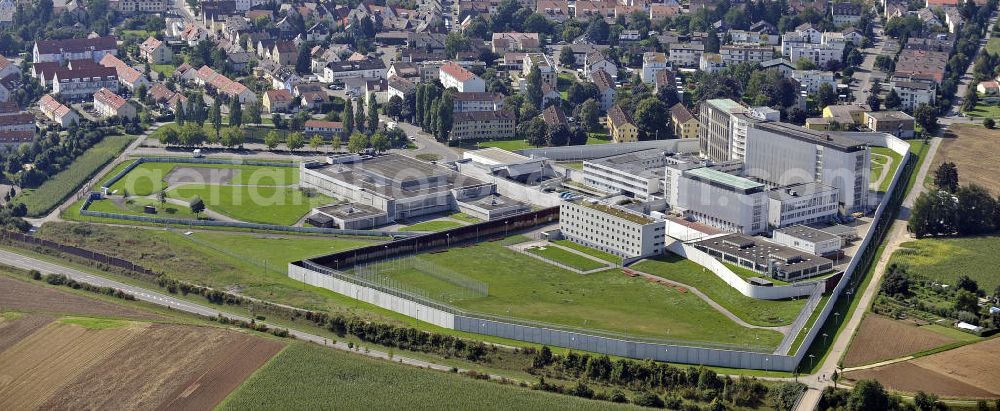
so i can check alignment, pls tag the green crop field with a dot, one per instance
(946, 259)
(255, 204)
(751, 310)
(306, 376)
(566, 258)
(56, 189)
(524, 287)
(433, 225)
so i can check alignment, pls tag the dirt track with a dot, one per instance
(881, 338)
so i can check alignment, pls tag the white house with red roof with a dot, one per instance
(109, 104)
(127, 76)
(453, 75)
(57, 112)
(156, 52)
(74, 49)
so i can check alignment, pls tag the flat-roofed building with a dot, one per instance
(808, 239)
(773, 260)
(636, 175)
(715, 198)
(914, 91)
(896, 123)
(714, 130)
(652, 63)
(482, 125)
(612, 229)
(745, 53)
(804, 203)
(784, 154)
(477, 101)
(685, 54)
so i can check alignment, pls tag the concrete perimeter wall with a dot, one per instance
(587, 152)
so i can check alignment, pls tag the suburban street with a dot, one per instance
(863, 75)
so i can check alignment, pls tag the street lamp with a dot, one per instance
(824, 338)
(811, 357)
(837, 315)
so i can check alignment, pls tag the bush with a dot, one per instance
(648, 399)
(989, 123)
(35, 275)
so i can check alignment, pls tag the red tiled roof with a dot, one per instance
(125, 73)
(76, 45)
(150, 44)
(9, 137)
(458, 72)
(109, 98)
(278, 95)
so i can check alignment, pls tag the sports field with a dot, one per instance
(255, 194)
(524, 287)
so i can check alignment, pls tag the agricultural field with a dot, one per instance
(524, 287)
(56, 189)
(751, 310)
(881, 338)
(946, 259)
(246, 193)
(353, 382)
(79, 358)
(567, 258)
(973, 150)
(970, 371)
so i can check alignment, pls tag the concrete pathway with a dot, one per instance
(886, 168)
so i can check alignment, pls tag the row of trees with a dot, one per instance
(433, 107)
(48, 155)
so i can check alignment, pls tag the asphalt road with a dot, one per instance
(45, 267)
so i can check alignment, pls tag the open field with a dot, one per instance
(880, 338)
(970, 371)
(135, 206)
(524, 287)
(24, 296)
(973, 150)
(255, 264)
(566, 258)
(946, 259)
(751, 310)
(432, 225)
(593, 252)
(150, 178)
(353, 382)
(56, 189)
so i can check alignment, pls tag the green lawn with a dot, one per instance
(255, 204)
(147, 178)
(952, 332)
(306, 376)
(751, 310)
(746, 273)
(593, 252)
(465, 217)
(576, 165)
(509, 145)
(993, 45)
(946, 259)
(983, 110)
(56, 189)
(566, 258)
(135, 206)
(878, 166)
(140, 35)
(524, 287)
(166, 70)
(433, 225)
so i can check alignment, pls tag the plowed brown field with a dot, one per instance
(12, 331)
(22, 295)
(881, 338)
(971, 371)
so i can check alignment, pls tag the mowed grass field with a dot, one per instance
(306, 376)
(566, 258)
(135, 206)
(946, 259)
(433, 225)
(56, 189)
(524, 287)
(247, 193)
(751, 310)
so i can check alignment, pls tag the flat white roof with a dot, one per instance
(494, 156)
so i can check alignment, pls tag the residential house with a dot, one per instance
(896, 123)
(711, 63)
(340, 70)
(453, 75)
(811, 80)
(667, 9)
(989, 88)
(7, 9)
(545, 68)
(128, 7)
(846, 114)
(621, 126)
(62, 51)
(109, 104)
(403, 70)
(914, 91)
(57, 112)
(783, 66)
(84, 82)
(922, 63)
(166, 99)
(127, 76)
(820, 54)
(553, 115)
(377, 89)
(684, 123)
(8, 68)
(844, 13)
(477, 101)
(513, 41)
(605, 89)
(685, 54)
(327, 129)
(156, 52)
(753, 37)
(652, 63)
(598, 61)
(482, 125)
(209, 78)
(664, 79)
(277, 101)
(400, 87)
(284, 53)
(953, 19)
(745, 53)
